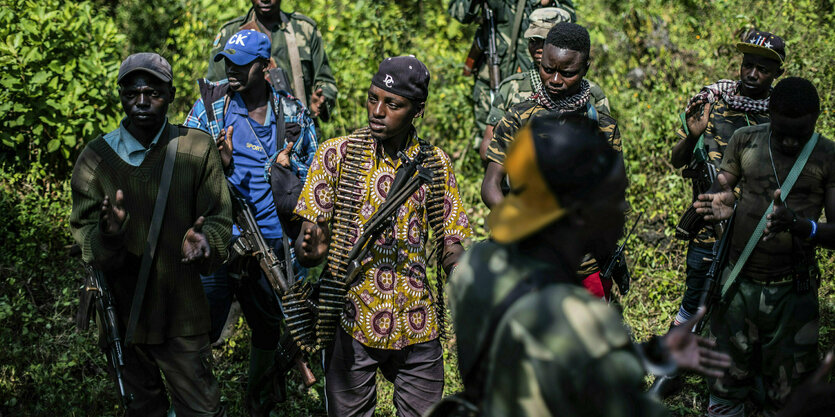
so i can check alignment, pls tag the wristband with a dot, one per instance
(814, 229)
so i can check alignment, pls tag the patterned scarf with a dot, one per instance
(568, 104)
(728, 91)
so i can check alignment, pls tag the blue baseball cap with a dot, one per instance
(245, 47)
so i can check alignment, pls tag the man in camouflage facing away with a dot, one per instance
(519, 86)
(530, 340)
(297, 49)
(768, 318)
(511, 22)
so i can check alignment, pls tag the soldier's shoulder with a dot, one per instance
(303, 19)
(571, 313)
(606, 120)
(514, 78)
(233, 24)
(194, 140)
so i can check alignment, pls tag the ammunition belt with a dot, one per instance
(435, 215)
(350, 190)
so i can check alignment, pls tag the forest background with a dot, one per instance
(58, 63)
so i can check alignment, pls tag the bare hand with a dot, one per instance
(697, 122)
(283, 157)
(780, 218)
(195, 245)
(224, 146)
(316, 239)
(113, 215)
(316, 100)
(693, 352)
(716, 206)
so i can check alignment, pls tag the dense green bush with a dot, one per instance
(56, 62)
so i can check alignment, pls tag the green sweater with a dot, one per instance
(174, 303)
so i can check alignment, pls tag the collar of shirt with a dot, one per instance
(410, 148)
(128, 147)
(238, 108)
(284, 19)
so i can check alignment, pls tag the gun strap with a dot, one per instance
(295, 60)
(514, 35)
(799, 163)
(153, 232)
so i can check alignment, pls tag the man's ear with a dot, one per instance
(172, 92)
(780, 72)
(421, 107)
(588, 65)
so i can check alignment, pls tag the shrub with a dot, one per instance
(56, 62)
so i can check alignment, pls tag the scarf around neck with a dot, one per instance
(728, 90)
(567, 104)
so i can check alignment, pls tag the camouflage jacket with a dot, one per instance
(519, 115)
(518, 87)
(314, 60)
(556, 350)
(467, 11)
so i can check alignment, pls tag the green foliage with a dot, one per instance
(45, 365)
(54, 57)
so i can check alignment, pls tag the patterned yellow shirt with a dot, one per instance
(390, 307)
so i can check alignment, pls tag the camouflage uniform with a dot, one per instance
(518, 87)
(314, 60)
(467, 11)
(768, 324)
(555, 350)
(722, 123)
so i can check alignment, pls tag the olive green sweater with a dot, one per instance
(174, 303)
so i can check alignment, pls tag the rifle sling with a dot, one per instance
(799, 163)
(514, 35)
(295, 60)
(153, 232)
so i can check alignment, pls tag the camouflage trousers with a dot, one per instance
(770, 331)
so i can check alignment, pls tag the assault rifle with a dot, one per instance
(703, 173)
(95, 291)
(710, 299)
(252, 242)
(485, 42)
(616, 268)
(719, 258)
(333, 284)
(405, 184)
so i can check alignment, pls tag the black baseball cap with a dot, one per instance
(149, 62)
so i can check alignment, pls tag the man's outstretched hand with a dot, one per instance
(315, 239)
(719, 205)
(195, 245)
(693, 352)
(113, 214)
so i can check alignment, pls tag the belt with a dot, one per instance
(783, 279)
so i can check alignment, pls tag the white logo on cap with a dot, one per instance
(388, 81)
(238, 39)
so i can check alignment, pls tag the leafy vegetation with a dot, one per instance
(57, 67)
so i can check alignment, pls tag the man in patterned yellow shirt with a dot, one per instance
(391, 318)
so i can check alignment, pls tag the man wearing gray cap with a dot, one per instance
(120, 185)
(390, 318)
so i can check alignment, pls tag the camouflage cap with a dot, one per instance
(542, 20)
